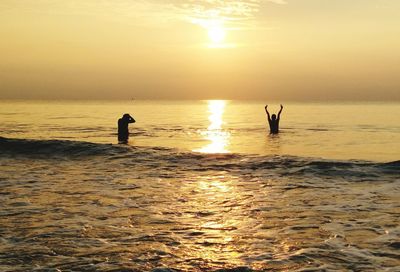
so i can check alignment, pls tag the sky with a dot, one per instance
(280, 50)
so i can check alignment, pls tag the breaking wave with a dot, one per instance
(173, 159)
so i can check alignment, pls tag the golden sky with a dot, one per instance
(206, 49)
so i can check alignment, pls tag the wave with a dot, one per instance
(51, 148)
(174, 160)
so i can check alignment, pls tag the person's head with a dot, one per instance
(273, 116)
(126, 116)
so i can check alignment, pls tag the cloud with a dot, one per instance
(280, 2)
(234, 13)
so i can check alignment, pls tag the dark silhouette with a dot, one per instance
(273, 121)
(123, 131)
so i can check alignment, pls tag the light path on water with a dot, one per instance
(362, 131)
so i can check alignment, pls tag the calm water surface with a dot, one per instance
(200, 187)
(336, 131)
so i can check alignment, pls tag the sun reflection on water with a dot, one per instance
(215, 218)
(218, 138)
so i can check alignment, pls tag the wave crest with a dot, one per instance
(174, 160)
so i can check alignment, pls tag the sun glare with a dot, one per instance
(216, 31)
(216, 34)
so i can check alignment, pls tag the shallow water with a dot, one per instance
(336, 131)
(84, 204)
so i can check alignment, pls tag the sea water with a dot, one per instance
(201, 186)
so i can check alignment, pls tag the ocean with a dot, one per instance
(201, 186)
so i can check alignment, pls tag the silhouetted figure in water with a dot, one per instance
(123, 131)
(273, 121)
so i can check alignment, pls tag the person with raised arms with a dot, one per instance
(273, 120)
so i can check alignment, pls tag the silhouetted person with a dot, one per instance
(123, 131)
(273, 121)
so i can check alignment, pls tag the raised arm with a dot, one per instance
(280, 111)
(131, 120)
(266, 110)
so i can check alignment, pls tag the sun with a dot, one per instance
(216, 34)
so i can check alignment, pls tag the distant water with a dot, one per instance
(200, 187)
(333, 131)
